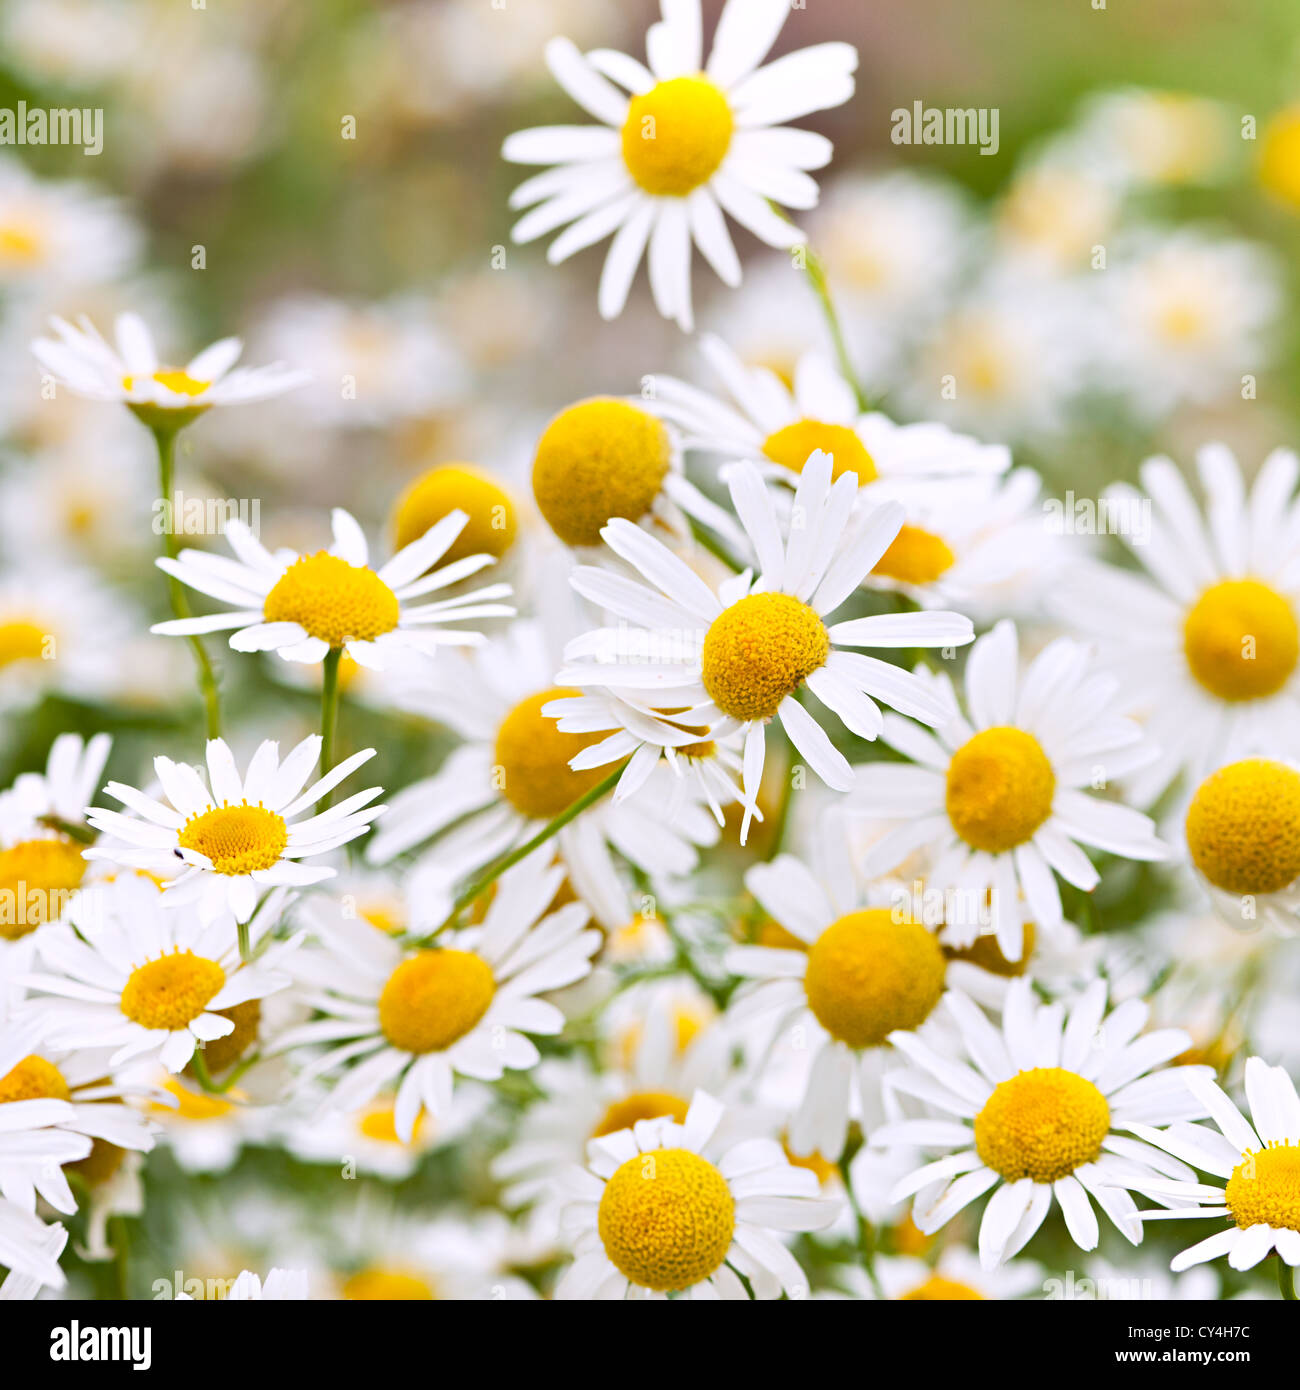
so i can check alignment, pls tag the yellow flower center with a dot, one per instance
(174, 379)
(380, 1123)
(1041, 1124)
(868, 974)
(760, 651)
(20, 245)
(915, 557)
(33, 1079)
(792, 445)
(666, 1219)
(1000, 789)
(100, 1164)
(1241, 640)
(333, 600)
(37, 877)
(237, 839)
(772, 933)
(387, 1286)
(492, 522)
(676, 135)
(1264, 1189)
(1279, 165)
(193, 1105)
(532, 759)
(641, 1105)
(937, 1289)
(985, 952)
(433, 998)
(21, 641)
(172, 991)
(221, 1053)
(600, 459)
(1243, 827)
(821, 1168)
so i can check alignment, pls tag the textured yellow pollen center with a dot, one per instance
(174, 380)
(21, 641)
(641, 1105)
(1279, 165)
(666, 1219)
(237, 839)
(600, 459)
(492, 522)
(37, 877)
(676, 135)
(387, 1286)
(333, 600)
(1243, 827)
(759, 651)
(937, 1289)
(532, 759)
(171, 991)
(33, 1079)
(792, 445)
(1264, 1189)
(433, 998)
(220, 1053)
(1000, 789)
(915, 556)
(1241, 640)
(868, 974)
(1041, 1124)
(985, 952)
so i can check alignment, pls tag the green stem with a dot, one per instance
(245, 942)
(329, 715)
(705, 538)
(165, 439)
(821, 287)
(204, 1077)
(1286, 1281)
(83, 834)
(550, 829)
(783, 810)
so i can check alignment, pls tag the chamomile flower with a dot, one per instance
(1041, 1110)
(681, 144)
(1207, 640)
(460, 1006)
(1255, 1161)
(955, 1277)
(668, 1207)
(125, 974)
(735, 659)
(997, 795)
(305, 606)
(849, 972)
(236, 836)
(279, 1286)
(29, 1250)
(130, 372)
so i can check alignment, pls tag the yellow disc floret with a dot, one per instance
(1041, 1124)
(759, 651)
(171, 991)
(600, 459)
(492, 522)
(33, 1079)
(387, 1286)
(1243, 827)
(937, 1289)
(1000, 789)
(676, 135)
(1279, 162)
(237, 839)
(333, 600)
(1241, 640)
(985, 952)
(532, 759)
(641, 1105)
(666, 1219)
(21, 640)
(1264, 1189)
(915, 556)
(220, 1053)
(869, 974)
(792, 445)
(433, 998)
(38, 877)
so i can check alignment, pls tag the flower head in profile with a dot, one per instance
(129, 371)
(681, 143)
(235, 837)
(305, 606)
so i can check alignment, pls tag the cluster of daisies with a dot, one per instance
(759, 933)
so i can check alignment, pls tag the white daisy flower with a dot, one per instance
(1256, 1162)
(735, 659)
(130, 372)
(681, 143)
(1207, 640)
(999, 797)
(855, 970)
(512, 774)
(126, 974)
(1040, 1110)
(235, 836)
(668, 1208)
(29, 1250)
(305, 606)
(462, 1006)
